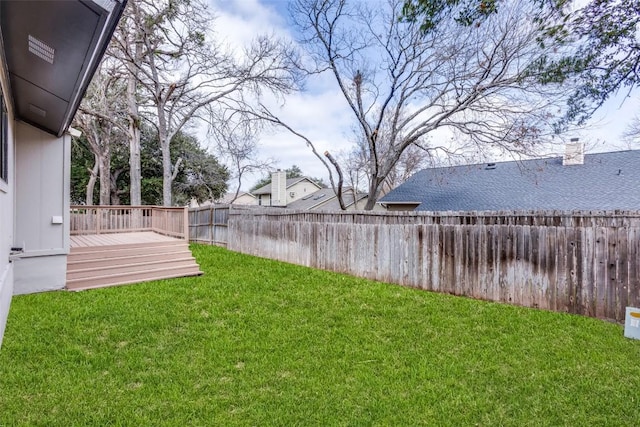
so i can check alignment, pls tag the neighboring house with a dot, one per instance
(282, 191)
(242, 199)
(325, 199)
(293, 193)
(604, 181)
(48, 54)
(304, 194)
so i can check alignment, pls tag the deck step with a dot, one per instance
(73, 263)
(128, 268)
(128, 278)
(100, 266)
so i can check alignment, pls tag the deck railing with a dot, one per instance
(122, 219)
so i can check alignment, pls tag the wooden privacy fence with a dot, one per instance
(169, 221)
(579, 262)
(208, 224)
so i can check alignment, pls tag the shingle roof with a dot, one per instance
(324, 199)
(290, 181)
(605, 181)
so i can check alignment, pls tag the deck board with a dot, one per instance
(92, 240)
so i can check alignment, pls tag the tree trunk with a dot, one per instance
(165, 148)
(371, 202)
(340, 180)
(115, 193)
(104, 168)
(372, 198)
(115, 198)
(99, 145)
(135, 173)
(167, 175)
(92, 182)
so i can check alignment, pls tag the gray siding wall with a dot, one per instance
(42, 209)
(6, 235)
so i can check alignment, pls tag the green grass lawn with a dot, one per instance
(258, 342)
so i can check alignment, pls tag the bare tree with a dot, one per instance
(357, 166)
(357, 163)
(181, 68)
(131, 40)
(237, 144)
(99, 119)
(631, 135)
(126, 50)
(91, 184)
(401, 84)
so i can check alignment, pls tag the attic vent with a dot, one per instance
(319, 197)
(37, 110)
(307, 197)
(41, 49)
(490, 166)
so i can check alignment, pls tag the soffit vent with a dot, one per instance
(37, 110)
(41, 49)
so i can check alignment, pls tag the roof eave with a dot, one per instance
(101, 46)
(49, 61)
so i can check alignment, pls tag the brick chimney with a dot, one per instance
(573, 153)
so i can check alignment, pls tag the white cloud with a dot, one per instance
(240, 21)
(321, 117)
(605, 129)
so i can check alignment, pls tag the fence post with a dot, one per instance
(212, 225)
(186, 223)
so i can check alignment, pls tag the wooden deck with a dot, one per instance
(100, 260)
(113, 239)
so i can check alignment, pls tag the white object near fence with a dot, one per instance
(632, 323)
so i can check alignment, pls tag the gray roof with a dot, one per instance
(266, 189)
(606, 181)
(324, 199)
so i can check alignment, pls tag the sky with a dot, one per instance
(321, 113)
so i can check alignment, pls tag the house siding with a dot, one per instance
(300, 189)
(6, 292)
(42, 209)
(6, 231)
(264, 200)
(245, 199)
